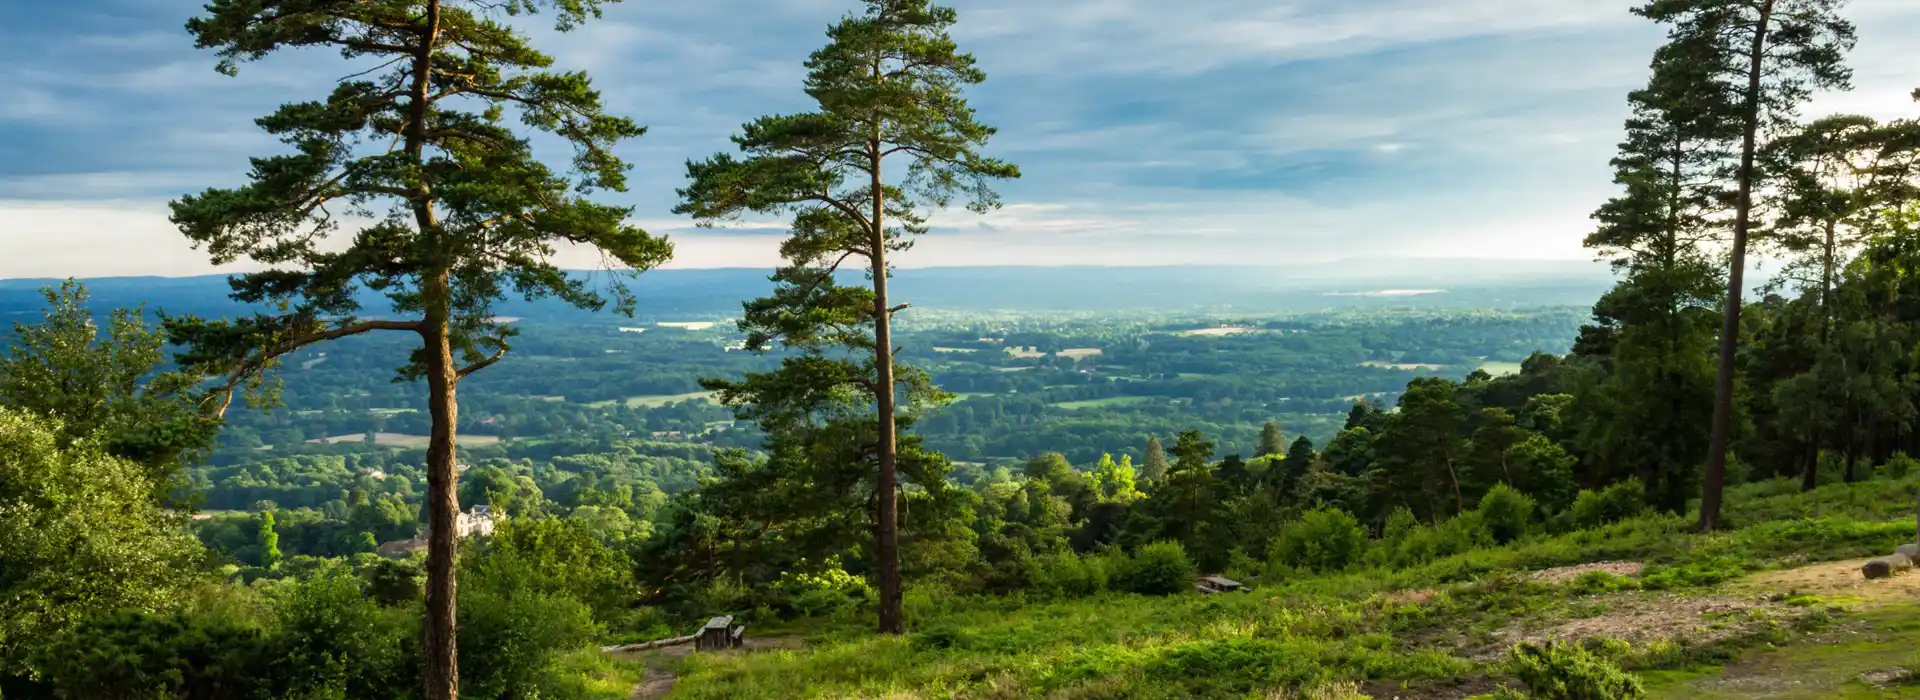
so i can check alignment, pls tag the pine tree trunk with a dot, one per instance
(443, 507)
(892, 619)
(1730, 325)
(1810, 469)
(442, 678)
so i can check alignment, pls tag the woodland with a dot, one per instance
(911, 501)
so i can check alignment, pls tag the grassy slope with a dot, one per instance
(1364, 626)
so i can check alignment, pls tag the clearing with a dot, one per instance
(1498, 368)
(1103, 403)
(657, 400)
(1869, 653)
(1408, 366)
(937, 348)
(1222, 330)
(1026, 353)
(405, 440)
(1079, 353)
(688, 325)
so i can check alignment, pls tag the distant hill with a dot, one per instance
(1230, 289)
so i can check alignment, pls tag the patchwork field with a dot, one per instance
(658, 400)
(407, 441)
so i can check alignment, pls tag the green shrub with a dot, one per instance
(335, 641)
(1323, 539)
(1900, 466)
(1556, 671)
(134, 654)
(1161, 568)
(1508, 514)
(1612, 504)
(1065, 574)
(1400, 522)
(831, 591)
(1462, 534)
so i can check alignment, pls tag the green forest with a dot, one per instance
(414, 457)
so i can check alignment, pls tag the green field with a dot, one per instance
(1103, 403)
(1497, 368)
(658, 400)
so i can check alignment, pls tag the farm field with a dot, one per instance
(408, 441)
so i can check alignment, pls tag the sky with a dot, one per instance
(1149, 132)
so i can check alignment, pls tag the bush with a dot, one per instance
(1615, 503)
(832, 591)
(1161, 568)
(1898, 467)
(335, 641)
(134, 654)
(1508, 514)
(1324, 539)
(1065, 574)
(1556, 671)
(1462, 534)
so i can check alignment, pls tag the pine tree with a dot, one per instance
(888, 85)
(462, 212)
(1299, 461)
(1153, 468)
(1272, 443)
(1765, 58)
(1836, 172)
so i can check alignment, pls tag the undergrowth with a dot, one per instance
(1300, 633)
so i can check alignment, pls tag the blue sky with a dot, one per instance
(1150, 131)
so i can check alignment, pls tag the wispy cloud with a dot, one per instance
(1148, 131)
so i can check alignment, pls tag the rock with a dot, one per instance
(1889, 565)
(1911, 550)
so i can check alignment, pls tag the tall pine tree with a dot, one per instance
(1153, 468)
(461, 213)
(1765, 58)
(889, 88)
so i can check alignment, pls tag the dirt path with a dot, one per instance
(663, 664)
(1871, 652)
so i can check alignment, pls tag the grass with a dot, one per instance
(1428, 627)
(952, 350)
(1080, 353)
(1103, 403)
(656, 400)
(1835, 663)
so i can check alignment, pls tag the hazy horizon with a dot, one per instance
(1297, 132)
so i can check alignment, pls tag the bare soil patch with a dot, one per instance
(1564, 574)
(1641, 617)
(1838, 579)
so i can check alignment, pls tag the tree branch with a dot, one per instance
(251, 365)
(483, 364)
